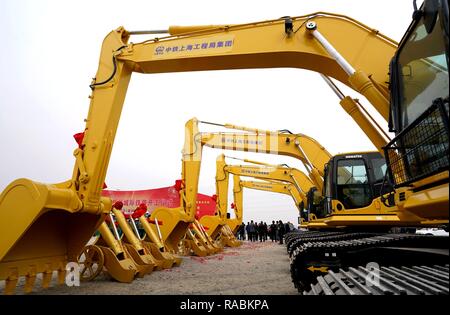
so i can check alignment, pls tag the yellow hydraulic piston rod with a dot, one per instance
(133, 244)
(176, 30)
(358, 79)
(156, 245)
(360, 115)
(209, 244)
(194, 245)
(159, 262)
(118, 261)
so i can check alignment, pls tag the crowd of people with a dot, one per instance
(254, 231)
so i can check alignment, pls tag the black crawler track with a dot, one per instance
(414, 280)
(314, 254)
(297, 239)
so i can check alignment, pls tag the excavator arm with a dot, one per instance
(311, 153)
(277, 187)
(285, 42)
(237, 205)
(297, 178)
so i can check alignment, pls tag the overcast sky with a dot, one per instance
(50, 53)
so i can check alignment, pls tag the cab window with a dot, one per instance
(353, 189)
(423, 70)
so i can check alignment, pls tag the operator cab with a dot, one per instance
(351, 181)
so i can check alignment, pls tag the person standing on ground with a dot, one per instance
(273, 231)
(249, 234)
(260, 231)
(277, 233)
(238, 233)
(242, 232)
(265, 231)
(281, 231)
(252, 231)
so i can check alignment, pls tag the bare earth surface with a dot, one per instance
(253, 268)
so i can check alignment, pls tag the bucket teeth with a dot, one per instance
(30, 280)
(10, 285)
(46, 278)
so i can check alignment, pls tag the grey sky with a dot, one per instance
(50, 53)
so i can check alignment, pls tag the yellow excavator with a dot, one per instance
(417, 162)
(355, 205)
(295, 178)
(271, 186)
(361, 175)
(259, 170)
(275, 187)
(46, 225)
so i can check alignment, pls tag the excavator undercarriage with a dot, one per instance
(317, 254)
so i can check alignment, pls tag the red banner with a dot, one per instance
(160, 197)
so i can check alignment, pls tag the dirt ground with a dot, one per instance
(253, 268)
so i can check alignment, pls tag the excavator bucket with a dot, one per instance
(174, 225)
(164, 261)
(212, 246)
(215, 242)
(232, 236)
(42, 228)
(229, 238)
(194, 245)
(117, 260)
(121, 269)
(213, 223)
(234, 225)
(154, 243)
(210, 250)
(138, 242)
(143, 260)
(141, 257)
